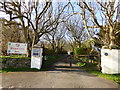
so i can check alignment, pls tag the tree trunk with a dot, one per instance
(79, 44)
(36, 38)
(99, 62)
(112, 38)
(52, 46)
(29, 52)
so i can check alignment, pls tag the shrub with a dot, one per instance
(81, 64)
(80, 51)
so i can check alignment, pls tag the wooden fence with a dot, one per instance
(91, 57)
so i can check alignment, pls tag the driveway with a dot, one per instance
(61, 76)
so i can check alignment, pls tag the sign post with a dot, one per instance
(36, 57)
(17, 48)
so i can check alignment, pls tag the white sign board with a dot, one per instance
(36, 58)
(37, 52)
(17, 48)
(36, 62)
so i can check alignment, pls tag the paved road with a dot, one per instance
(60, 77)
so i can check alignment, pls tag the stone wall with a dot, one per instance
(15, 62)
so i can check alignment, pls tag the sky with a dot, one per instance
(54, 1)
(77, 8)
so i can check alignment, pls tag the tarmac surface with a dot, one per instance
(61, 76)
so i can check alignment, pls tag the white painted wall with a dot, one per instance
(110, 64)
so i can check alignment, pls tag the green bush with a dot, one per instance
(80, 51)
(88, 65)
(81, 64)
(84, 58)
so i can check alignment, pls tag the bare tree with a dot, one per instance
(109, 17)
(76, 30)
(56, 38)
(108, 33)
(33, 15)
(10, 33)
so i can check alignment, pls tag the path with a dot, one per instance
(61, 76)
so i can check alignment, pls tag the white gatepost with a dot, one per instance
(36, 57)
(110, 61)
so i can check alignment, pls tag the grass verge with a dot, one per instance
(113, 77)
(93, 69)
(18, 69)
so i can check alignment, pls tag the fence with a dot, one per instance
(72, 59)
